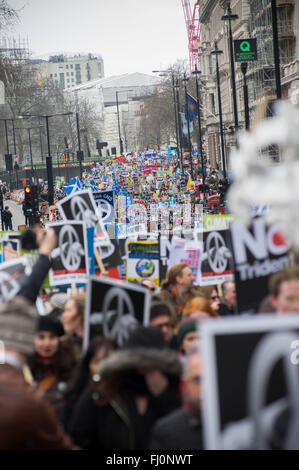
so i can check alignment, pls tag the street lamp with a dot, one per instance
(8, 156)
(216, 52)
(48, 158)
(196, 72)
(229, 17)
(30, 150)
(245, 93)
(185, 80)
(164, 73)
(121, 148)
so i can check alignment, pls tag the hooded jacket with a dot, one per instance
(106, 417)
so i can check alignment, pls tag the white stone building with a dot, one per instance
(129, 90)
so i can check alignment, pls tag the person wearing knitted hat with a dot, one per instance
(188, 335)
(27, 421)
(53, 363)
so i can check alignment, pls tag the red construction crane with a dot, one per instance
(193, 31)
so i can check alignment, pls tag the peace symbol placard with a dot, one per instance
(114, 308)
(70, 257)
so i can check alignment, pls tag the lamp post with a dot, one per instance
(229, 16)
(185, 80)
(216, 52)
(245, 93)
(80, 152)
(177, 91)
(164, 73)
(48, 158)
(8, 156)
(121, 147)
(196, 72)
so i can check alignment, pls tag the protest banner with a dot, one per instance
(114, 308)
(81, 206)
(13, 275)
(105, 202)
(11, 249)
(185, 251)
(258, 251)
(142, 261)
(70, 257)
(250, 382)
(216, 265)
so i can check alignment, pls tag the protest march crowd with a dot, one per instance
(144, 318)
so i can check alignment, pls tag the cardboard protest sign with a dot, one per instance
(105, 201)
(164, 251)
(11, 249)
(185, 251)
(142, 261)
(114, 308)
(13, 275)
(81, 206)
(258, 251)
(70, 257)
(217, 221)
(250, 381)
(216, 264)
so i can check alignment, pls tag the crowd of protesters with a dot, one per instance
(143, 395)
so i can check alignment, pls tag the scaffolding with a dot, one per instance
(261, 74)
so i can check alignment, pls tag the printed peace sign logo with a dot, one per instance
(71, 249)
(81, 211)
(124, 314)
(9, 287)
(217, 252)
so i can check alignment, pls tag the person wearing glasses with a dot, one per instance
(211, 294)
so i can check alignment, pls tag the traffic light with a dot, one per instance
(27, 192)
(27, 208)
(39, 80)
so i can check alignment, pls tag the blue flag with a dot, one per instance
(185, 124)
(73, 186)
(192, 108)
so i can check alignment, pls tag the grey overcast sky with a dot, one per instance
(130, 35)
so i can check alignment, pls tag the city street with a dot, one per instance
(17, 213)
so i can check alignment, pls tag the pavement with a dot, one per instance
(18, 217)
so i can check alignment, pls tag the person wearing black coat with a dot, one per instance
(182, 429)
(135, 387)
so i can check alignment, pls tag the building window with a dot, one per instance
(71, 66)
(210, 65)
(68, 80)
(66, 66)
(72, 73)
(51, 75)
(77, 66)
(55, 75)
(212, 103)
(62, 82)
